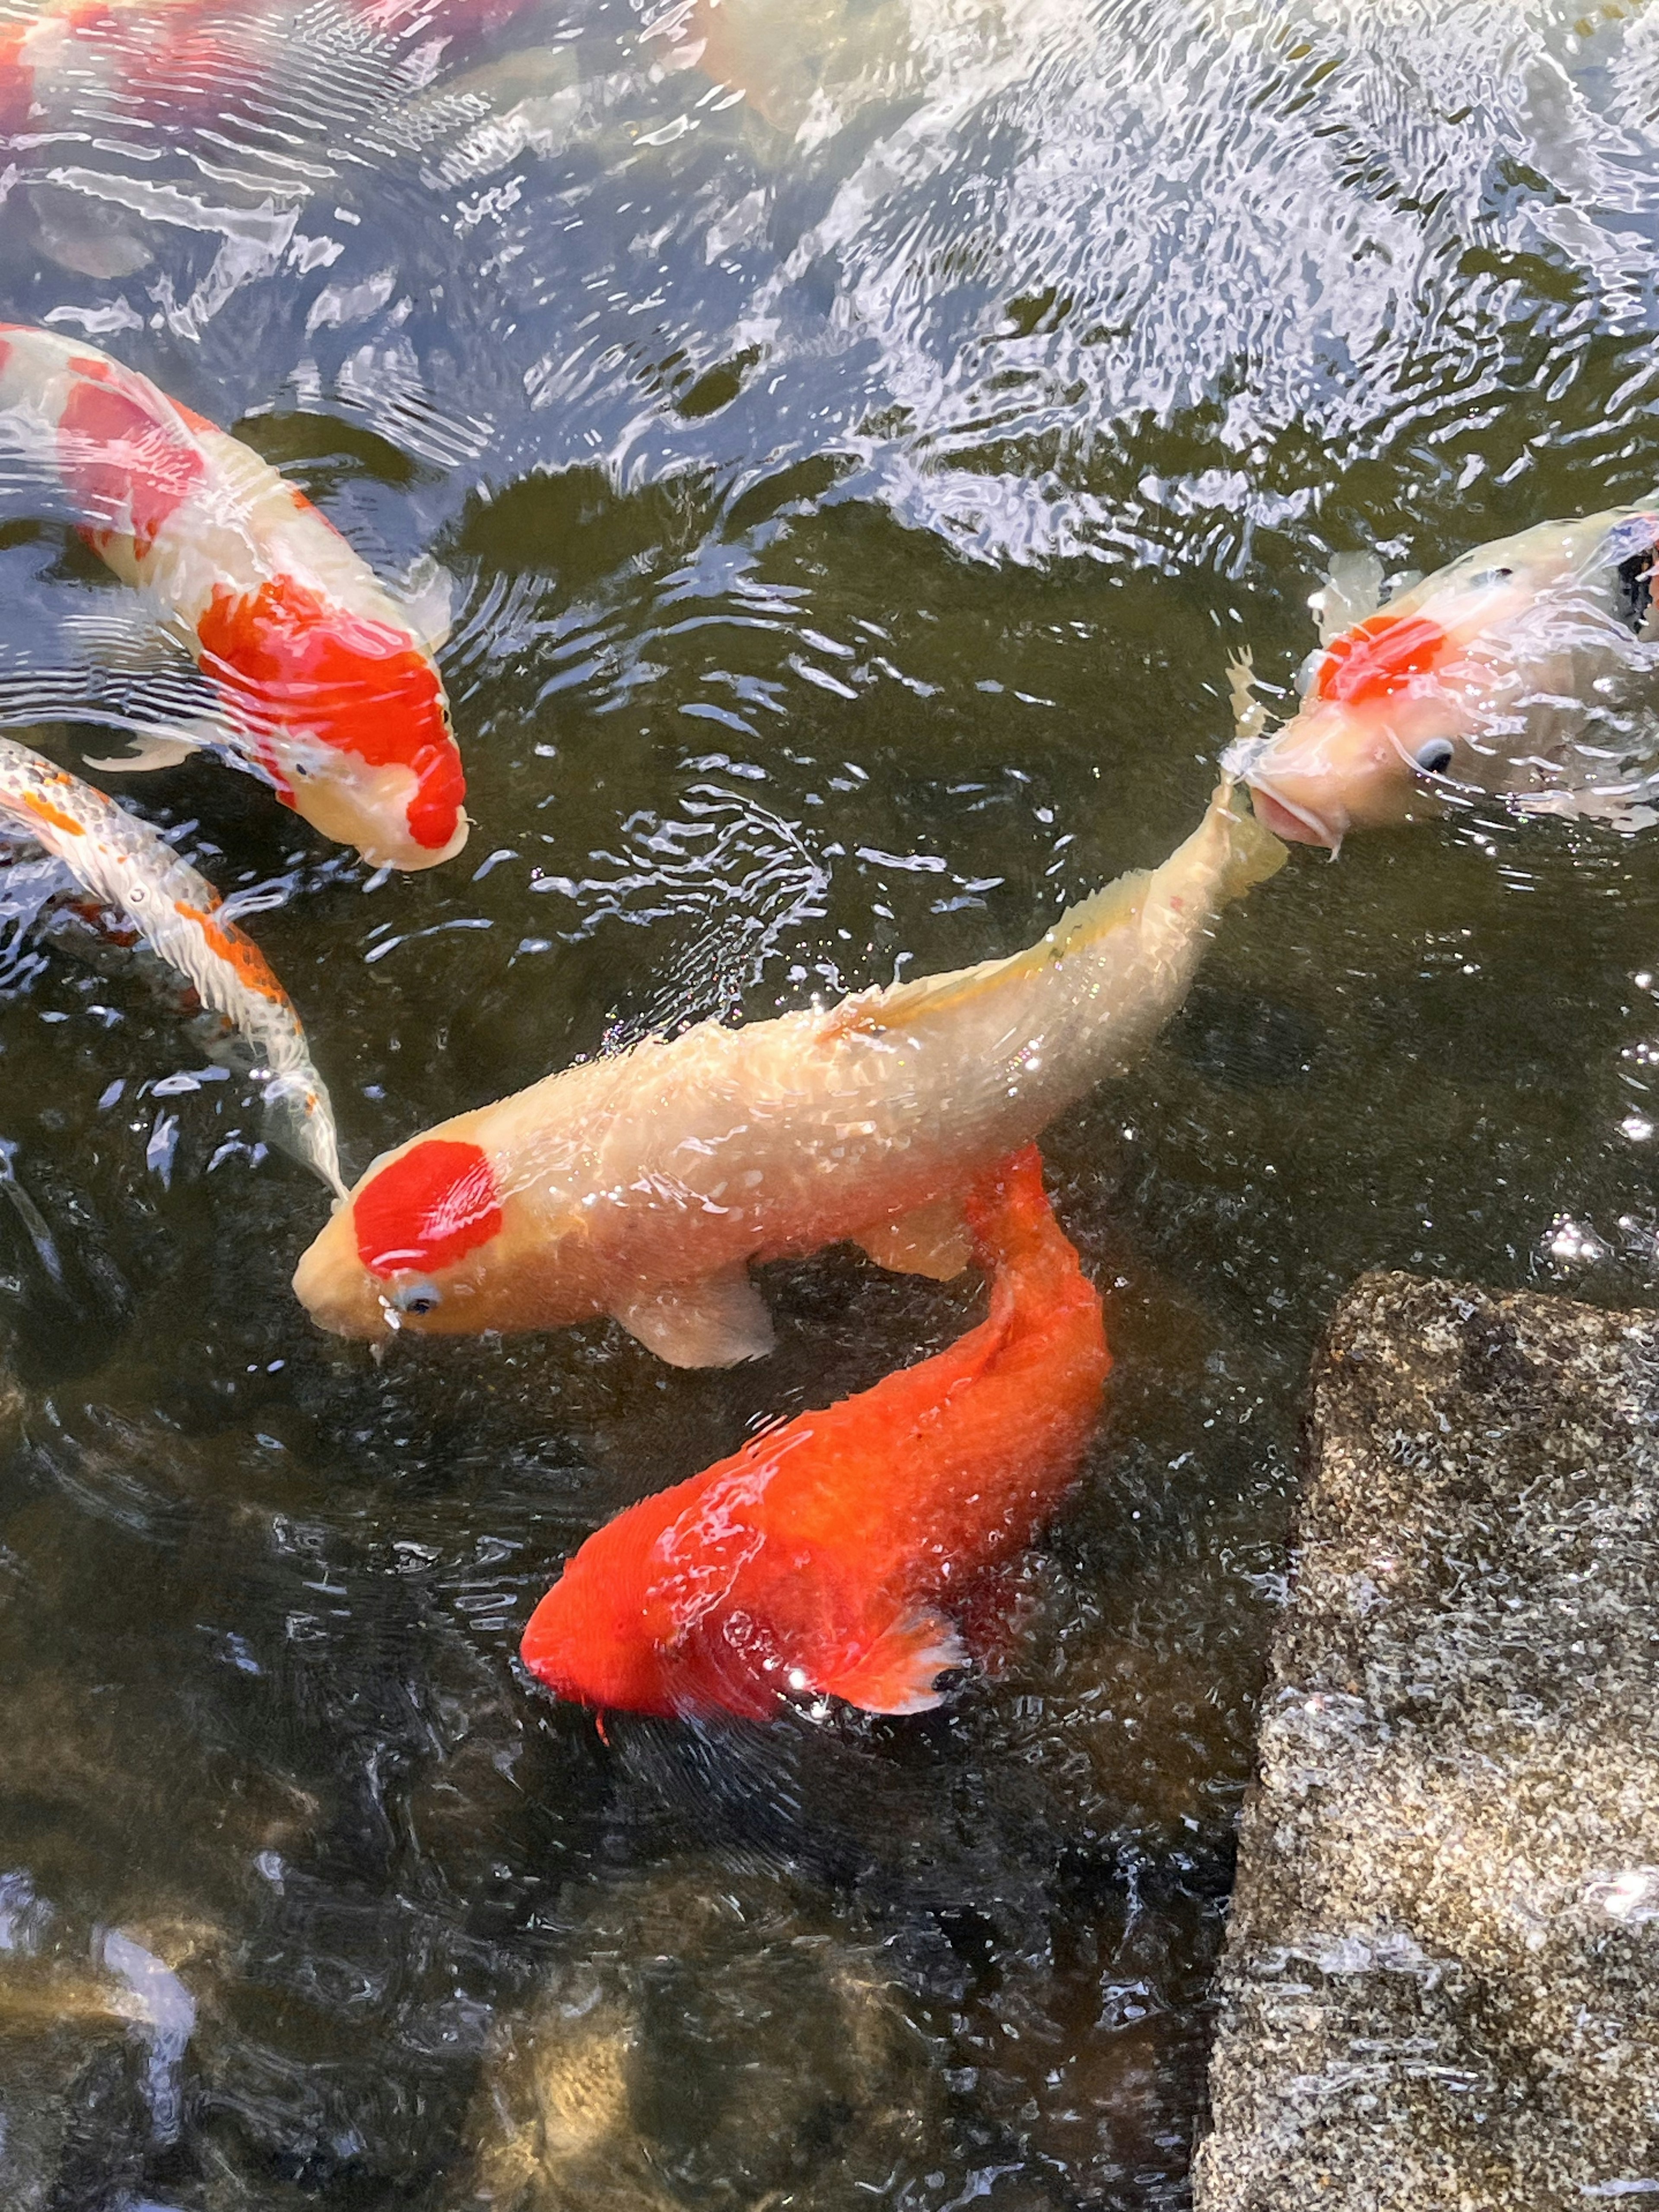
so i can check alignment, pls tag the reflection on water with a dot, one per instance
(859, 435)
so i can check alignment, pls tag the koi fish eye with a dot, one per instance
(1434, 755)
(416, 1299)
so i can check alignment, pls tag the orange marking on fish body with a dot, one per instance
(16, 79)
(191, 420)
(120, 443)
(1377, 658)
(239, 951)
(816, 1558)
(43, 811)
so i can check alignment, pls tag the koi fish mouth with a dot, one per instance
(1297, 825)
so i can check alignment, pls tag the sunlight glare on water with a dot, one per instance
(858, 433)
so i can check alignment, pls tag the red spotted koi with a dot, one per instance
(61, 60)
(325, 690)
(1526, 670)
(131, 870)
(643, 1184)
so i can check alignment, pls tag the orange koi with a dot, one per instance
(832, 1557)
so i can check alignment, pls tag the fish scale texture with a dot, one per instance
(1440, 1983)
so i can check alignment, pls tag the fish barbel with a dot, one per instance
(325, 689)
(129, 868)
(641, 1185)
(821, 1559)
(1527, 670)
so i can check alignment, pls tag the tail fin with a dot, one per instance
(1046, 1312)
(299, 1121)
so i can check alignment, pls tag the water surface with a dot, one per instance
(858, 433)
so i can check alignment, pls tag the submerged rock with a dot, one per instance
(94, 2026)
(1440, 1986)
(714, 2039)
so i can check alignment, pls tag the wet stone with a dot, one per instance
(1440, 1983)
(94, 2028)
(714, 2039)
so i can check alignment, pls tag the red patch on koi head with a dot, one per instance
(1377, 658)
(427, 1209)
(118, 440)
(300, 663)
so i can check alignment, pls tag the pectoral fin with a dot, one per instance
(1626, 811)
(149, 753)
(896, 1671)
(932, 1240)
(715, 1321)
(1353, 591)
(427, 596)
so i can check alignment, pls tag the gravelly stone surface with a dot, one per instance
(1440, 1986)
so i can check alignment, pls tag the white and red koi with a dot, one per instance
(324, 689)
(1527, 670)
(56, 50)
(642, 1185)
(131, 870)
(157, 58)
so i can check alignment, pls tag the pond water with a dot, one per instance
(858, 433)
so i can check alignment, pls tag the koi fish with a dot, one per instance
(641, 1185)
(177, 913)
(1528, 670)
(325, 690)
(151, 60)
(43, 42)
(823, 1558)
(805, 67)
(276, 95)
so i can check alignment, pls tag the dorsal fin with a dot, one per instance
(901, 1004)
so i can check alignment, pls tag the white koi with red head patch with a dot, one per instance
(134, 873)
(326, 691)
(643, 1185)
(1527, 670)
